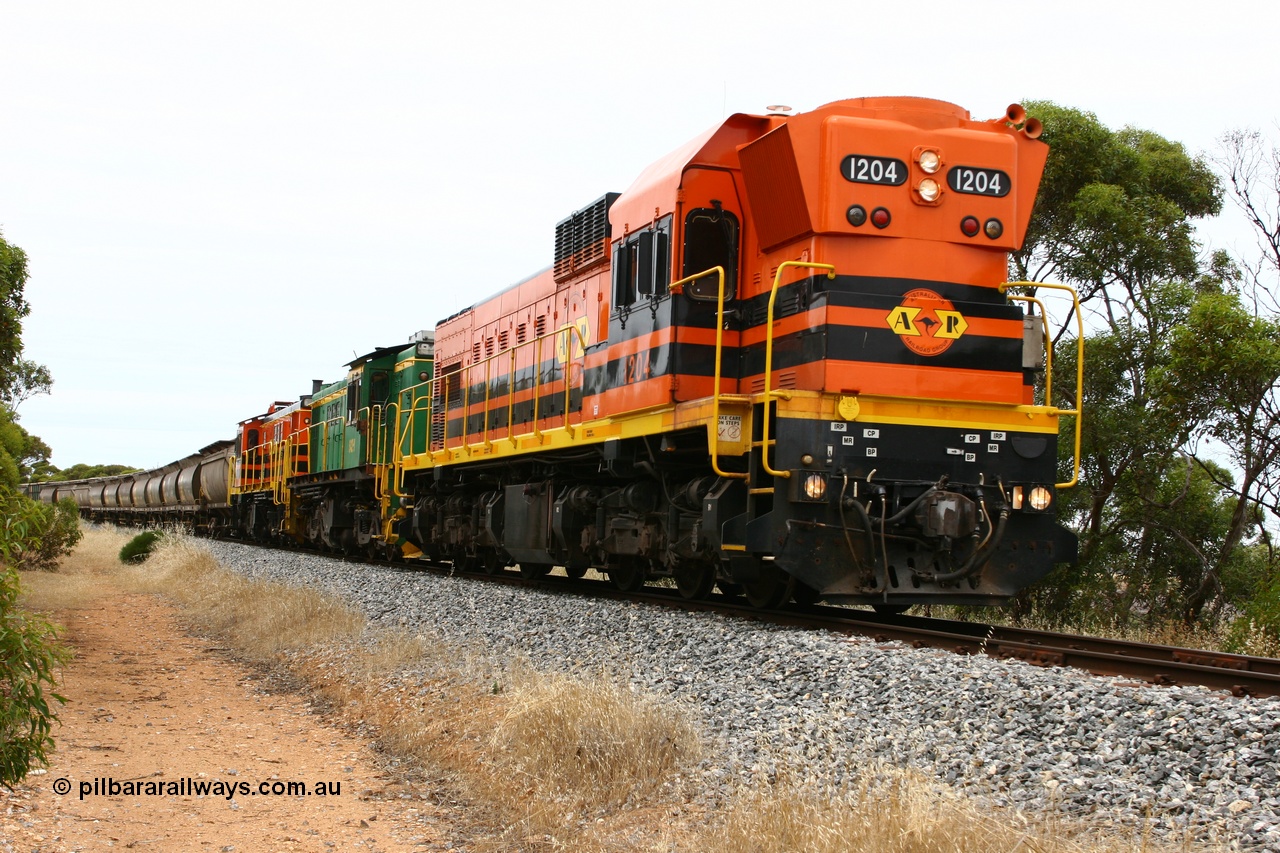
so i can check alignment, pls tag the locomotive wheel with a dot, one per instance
(694, 579)
(575, 572)
(771, 590)
(533, 571)
(491, 562)
(628, 573)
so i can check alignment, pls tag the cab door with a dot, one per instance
(711, 238)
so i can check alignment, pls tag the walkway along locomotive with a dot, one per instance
(785, 361)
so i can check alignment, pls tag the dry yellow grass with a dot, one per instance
(260, 619)
(598, 739)
(78, 579)
(895, 811)
(45, 592)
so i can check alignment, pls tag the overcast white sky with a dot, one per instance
(223, 201)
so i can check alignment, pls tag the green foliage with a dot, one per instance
(30, 655)
(30, 535)
(139, 548)
(27, 380)
(11, 444)
(13, 307)
(1257, 632)
(23, 456)
(36, 535)
(1171, 359)
(1113, 206)
(84, 471)
(19, 378)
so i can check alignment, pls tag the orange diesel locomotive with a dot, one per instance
(785, 361)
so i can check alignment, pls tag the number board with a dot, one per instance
(874, 170)
(974, 181)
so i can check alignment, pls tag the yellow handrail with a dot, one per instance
(1078, 411)
(409, 420)
(511, 397)
(538, 342)
(372, 444)
(677, 287)
(768, 357)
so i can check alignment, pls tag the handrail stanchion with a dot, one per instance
(1078, 411)
(716, 396)
(768, 358)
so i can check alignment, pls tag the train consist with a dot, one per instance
(785, 362)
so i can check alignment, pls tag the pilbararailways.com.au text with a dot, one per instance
(189, 787)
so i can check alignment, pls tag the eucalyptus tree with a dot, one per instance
(1115, 219)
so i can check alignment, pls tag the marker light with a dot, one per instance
(929, 161)
(929, 189)
(880, 217)
(857, 216)
(994, 228)
(970, 226)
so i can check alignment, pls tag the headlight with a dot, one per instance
(815, 487)
(929, 189)
(930, 161)
(1040, 498)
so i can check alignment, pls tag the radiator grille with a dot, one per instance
(582, 240)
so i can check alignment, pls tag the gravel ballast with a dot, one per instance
(1177, 760)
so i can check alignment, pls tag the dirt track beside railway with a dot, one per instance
(156, 711)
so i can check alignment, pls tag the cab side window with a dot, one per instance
(353, 399)
(642, 265)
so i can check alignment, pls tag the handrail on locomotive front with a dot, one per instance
(677, 287)
(716, 395)
(1078, 411)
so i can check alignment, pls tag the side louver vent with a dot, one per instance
(582, 240)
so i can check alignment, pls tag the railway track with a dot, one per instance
(1240, 675)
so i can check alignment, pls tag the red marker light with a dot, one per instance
(880, 217)
(969, 225)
